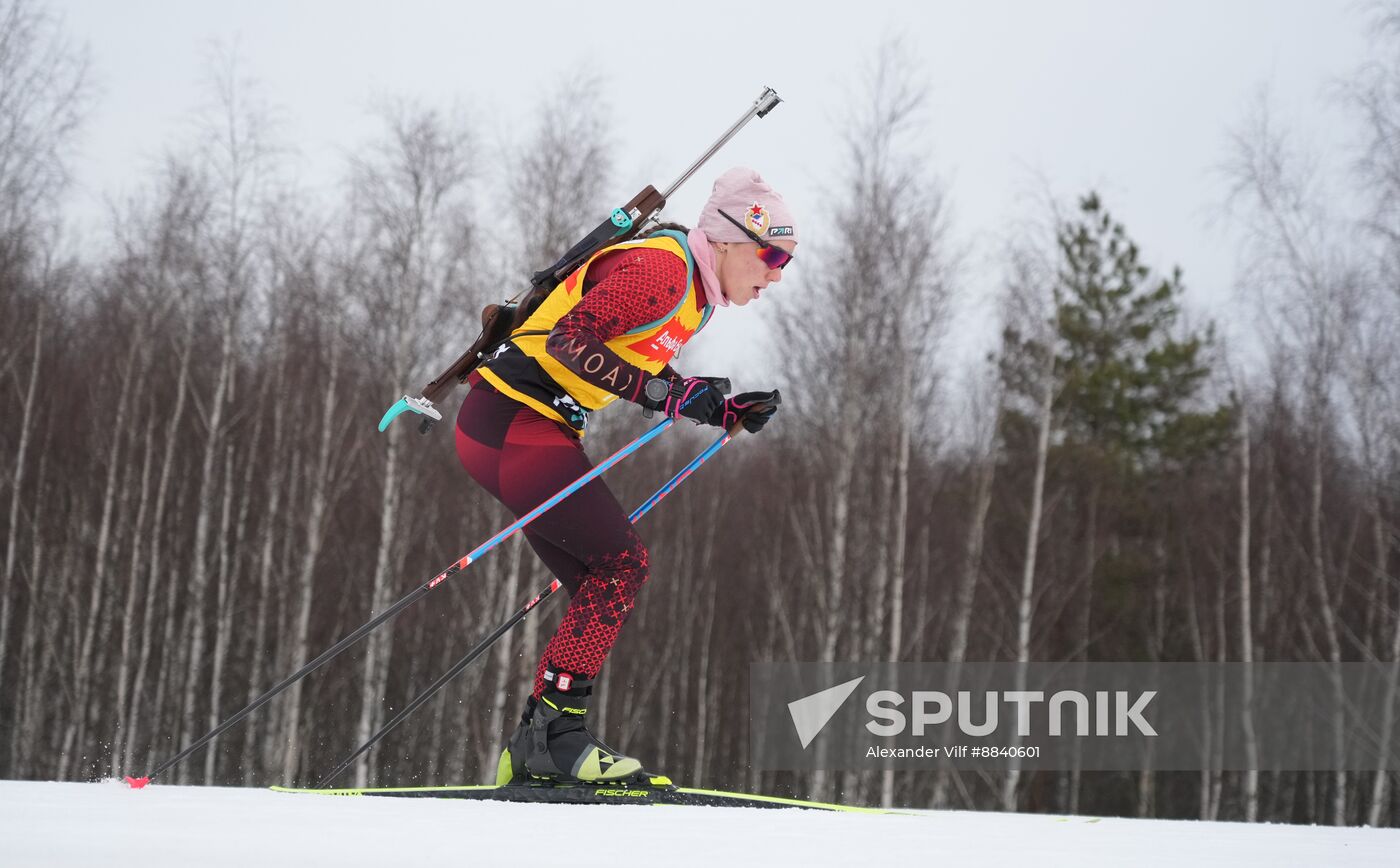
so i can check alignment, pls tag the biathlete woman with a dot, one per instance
(609, 331)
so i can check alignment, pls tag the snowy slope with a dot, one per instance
(63, 824)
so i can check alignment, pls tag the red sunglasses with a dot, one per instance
(773, 257)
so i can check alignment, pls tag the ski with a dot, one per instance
(590, 794)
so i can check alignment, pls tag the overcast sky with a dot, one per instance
(1134, 99)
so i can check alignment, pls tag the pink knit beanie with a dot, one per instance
(743, 195)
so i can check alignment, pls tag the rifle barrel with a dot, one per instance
(766, 102)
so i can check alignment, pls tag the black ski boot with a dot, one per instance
(553, 744)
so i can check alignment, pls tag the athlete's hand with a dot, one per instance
(754, 408)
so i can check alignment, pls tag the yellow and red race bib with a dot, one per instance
(523, 369)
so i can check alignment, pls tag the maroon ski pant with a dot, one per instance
(522, 458)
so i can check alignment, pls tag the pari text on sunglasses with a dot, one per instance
(772, 256)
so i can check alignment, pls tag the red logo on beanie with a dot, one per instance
(564, 681)
(757, 218)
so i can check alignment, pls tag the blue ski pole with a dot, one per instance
(481, 647)
(408, 600)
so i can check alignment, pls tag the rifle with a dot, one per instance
(499, 321)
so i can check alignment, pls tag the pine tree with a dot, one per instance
(1129, 414)
(1130, 383)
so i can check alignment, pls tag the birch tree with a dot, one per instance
(1373, 97)
(44, 97)
(860, 348)
(417, 237)
(1307, 288)
(1029, 361)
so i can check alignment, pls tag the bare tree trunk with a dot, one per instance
(703, 682)
(1329, 624)
(318, 496)
(699, 566)
(159, 544)
(899, 524)
(961, 618)
(133, 595)
(1265, 572)
(840, 489)
(408, 221)
(1381, 784)
(1085, 618)
(380, 643)
(1025, 602)
(834, 578)
(877, 560)
(260, 648)
(76, 731)
(1251, 743)
(174, 642)
(199, 567)
(1218, 723)
(232, 617)
(1157, 638)
(223, 617)
(282, 645)
(26, 426)
(34, 662)
(1195, 634)
(500, 655)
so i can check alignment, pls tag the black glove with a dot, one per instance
(697, 398)
(754, 408)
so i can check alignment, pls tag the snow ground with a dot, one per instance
(75, 824)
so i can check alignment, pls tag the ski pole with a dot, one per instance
(441, 682)
(685, 471)
(519, 616)
(409, 599)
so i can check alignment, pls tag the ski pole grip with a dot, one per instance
(739, 423)
(756, 408)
